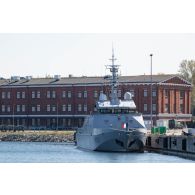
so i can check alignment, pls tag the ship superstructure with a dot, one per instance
(116, 126)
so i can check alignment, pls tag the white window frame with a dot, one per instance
(33, 94)
(63, 94)
(145, 93)
(53, 94)
(18, 95)
(48, 94)
(33, 109)
(69, 107)
(23, 108)
(48, 108)
(3, 94)
(53, 108)
(8, 108)
(18, 108)
(38, 108)
(85, 107)
(38, 94)
(154, 107)
(153, 93)
(145, 107)
(64, 108)
(79, 94)
(79, 108)
(23, 94)
(95, 94)
(8, 95)
(85, 94)
(69, 94)
(3, 108)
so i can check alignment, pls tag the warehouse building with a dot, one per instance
(62, 103)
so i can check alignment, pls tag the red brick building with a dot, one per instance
(64, 102)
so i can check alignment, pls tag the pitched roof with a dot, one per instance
(88, 80)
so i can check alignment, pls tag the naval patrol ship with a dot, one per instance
(116, 126)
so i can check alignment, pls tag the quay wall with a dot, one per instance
(43, 136)
(179, 145)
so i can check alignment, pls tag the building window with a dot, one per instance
(64, 122)
(48, 108)
(95, 94)
(79, 107)
(85, 108)
(33, 94)
(145, 107)
(33, 122)
(33, 109)
(166, 93)
(154, 107)
(3, 95)
(154, 93)
(48, 94)
(23, 108)
(18, 108)
(38, 108)
(8, 95)
(38, 122)
(119, 93)
(53, 121)
(3, 108)
(63, 94)
(48, 122)
(18, 122)
(182, 94)
(23, 122)
(85, 94)
(23, 95)
(64, 108)
(79, 94)
(69, 122)
(53, 94)
(145, 92)
(69, 107)
(181, 108)
(8, 108)
(8, 121)
(53, 108)
(69, 94)
(166, 108)
(18, 95)
(38, 94)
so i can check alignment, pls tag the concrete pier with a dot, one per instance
(178, 145)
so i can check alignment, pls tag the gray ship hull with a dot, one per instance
(112, 141)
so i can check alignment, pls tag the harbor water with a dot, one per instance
(50, 152)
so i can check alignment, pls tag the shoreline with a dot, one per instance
(37, 136)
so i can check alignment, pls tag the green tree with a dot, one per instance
(187, 71)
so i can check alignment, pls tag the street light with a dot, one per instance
(151, 122)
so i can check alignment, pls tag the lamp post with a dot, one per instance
(151, 121)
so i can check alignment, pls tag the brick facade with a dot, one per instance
(65, 106)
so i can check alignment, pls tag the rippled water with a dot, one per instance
(33, 152)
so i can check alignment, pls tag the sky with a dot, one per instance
(83, 54)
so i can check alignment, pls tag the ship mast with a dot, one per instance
(114, 79)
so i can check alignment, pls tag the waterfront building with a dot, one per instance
(62, 103)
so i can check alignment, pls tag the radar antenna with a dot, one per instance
(113, 79)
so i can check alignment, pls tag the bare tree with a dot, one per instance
(187, 71)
